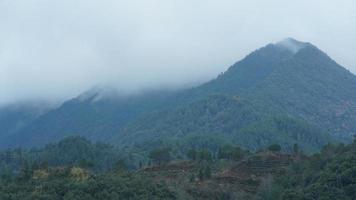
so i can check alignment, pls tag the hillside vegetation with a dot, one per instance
(230, 173)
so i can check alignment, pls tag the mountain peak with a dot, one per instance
(291, 44)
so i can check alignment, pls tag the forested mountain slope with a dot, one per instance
(291, 80)
(92, 114)
(312, 86)
(302, 87)
(300, 80)
(225, 119)
(14, 117)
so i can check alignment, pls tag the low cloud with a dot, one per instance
(58, 49)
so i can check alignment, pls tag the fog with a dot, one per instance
(55, 50)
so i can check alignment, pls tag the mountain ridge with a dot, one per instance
(290, 77)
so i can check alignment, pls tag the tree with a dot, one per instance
(25, 172)
(192, 154)
(44, 165)
(296, 149)
(230, 152)
(120, 166)
(86, 164)
(204, 173)
(6, 174)
(207, 172)
(274, 148)
(160, 156)
(205, 155)
(201, 174)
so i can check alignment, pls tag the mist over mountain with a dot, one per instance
(288, 92)
(56, 50)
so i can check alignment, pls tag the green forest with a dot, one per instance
(76, 168)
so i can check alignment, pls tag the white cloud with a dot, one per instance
(56, 49)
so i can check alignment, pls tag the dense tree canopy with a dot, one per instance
(224, 174)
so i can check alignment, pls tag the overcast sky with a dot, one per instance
(57, 49)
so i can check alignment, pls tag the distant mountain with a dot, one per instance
(96, 114)
(288, 92)
(14, 117)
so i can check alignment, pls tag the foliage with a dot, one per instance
(328, 175)
(275, 147)
(160, 156)
(71, 151)
(204, 155)
(231, 153)
(223, 120)
(77, 184)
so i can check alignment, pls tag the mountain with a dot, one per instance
(290, 81)
(96, 114)
(312, 86)
(14, 117)
(288, 92)
(219, 120)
